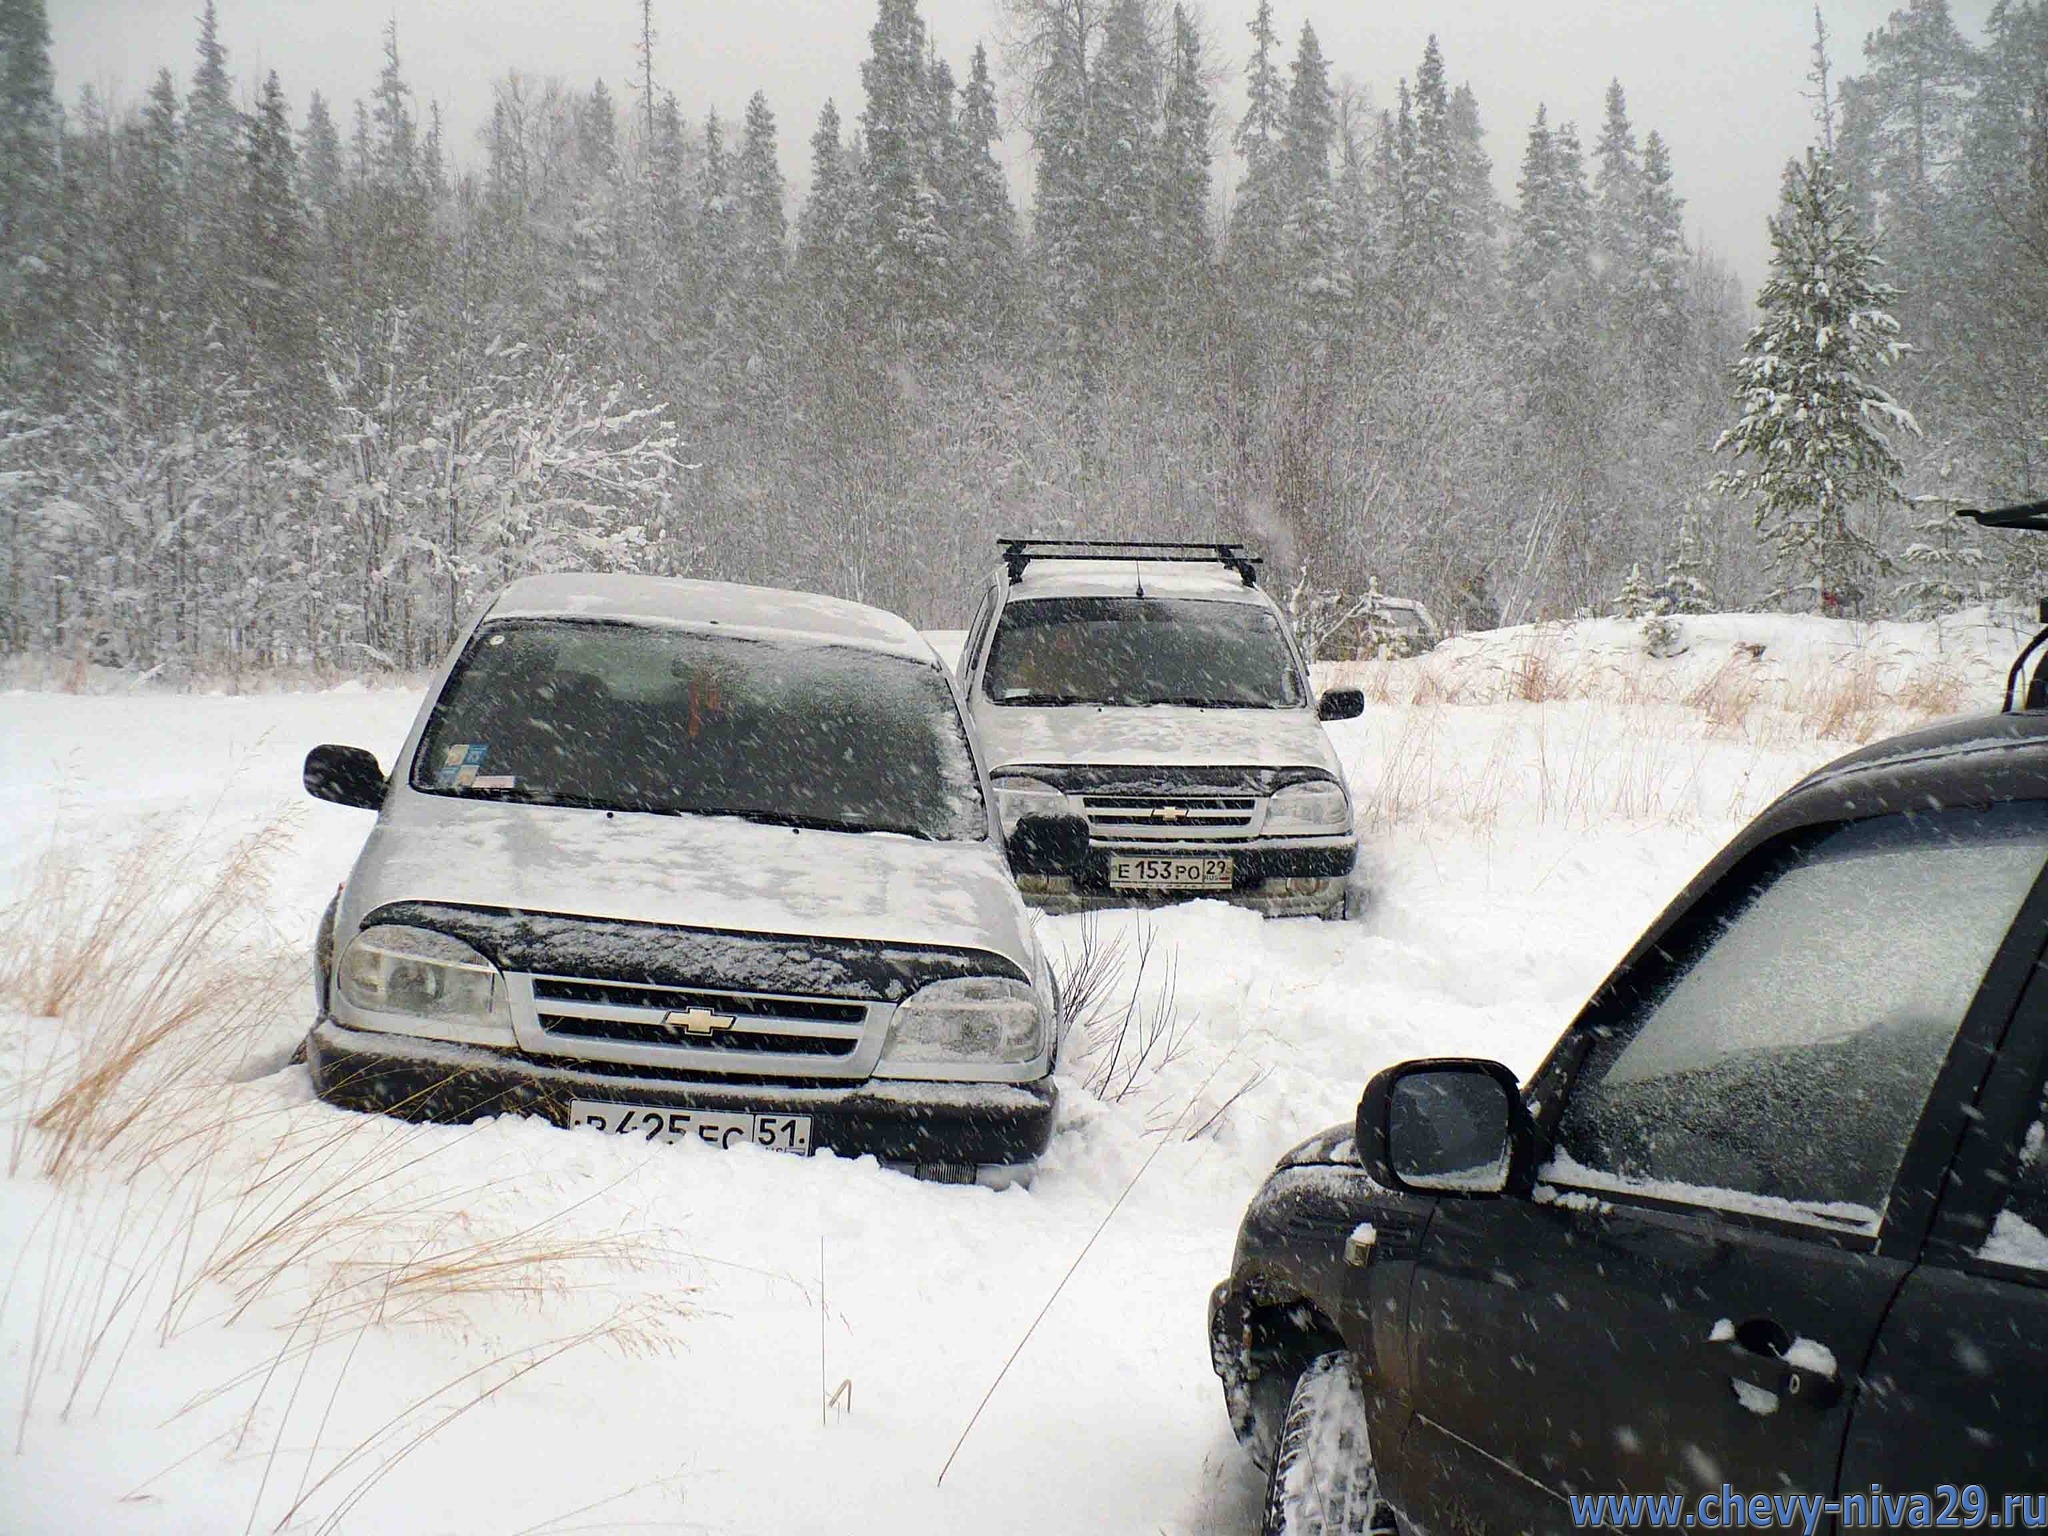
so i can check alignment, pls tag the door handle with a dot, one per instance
(1763, 1355)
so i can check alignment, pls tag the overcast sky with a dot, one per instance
(1722, 79)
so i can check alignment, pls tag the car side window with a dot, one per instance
(2019, 1235)
(1778, 1058)
(977, 632)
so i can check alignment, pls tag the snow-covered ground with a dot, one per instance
(245, 1310)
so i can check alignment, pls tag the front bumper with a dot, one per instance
(941, 1130)
(1296, 878)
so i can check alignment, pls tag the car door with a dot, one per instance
(1682, 1300)
(1954, 1394)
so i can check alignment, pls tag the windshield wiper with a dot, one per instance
(809, 823)
(1196, 703)
(1041, 699)
(543, 797)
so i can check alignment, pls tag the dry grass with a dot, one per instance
(1729, 696)
(1933, 691)
(1580, 738)
(178, 1198)
(150, 992)
(1537, 678)
(1844, 703)
(1116, 1039)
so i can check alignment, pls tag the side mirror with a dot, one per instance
(1451, 1126)
(347, 776)
(1341, 704)
(1048, 845)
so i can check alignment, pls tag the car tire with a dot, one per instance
(1323, 1482)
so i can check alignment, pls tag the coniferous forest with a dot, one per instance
(294, 382)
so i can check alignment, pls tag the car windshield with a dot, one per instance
(633, 717)
(1142, 650)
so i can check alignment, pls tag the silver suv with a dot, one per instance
(1155, 691)
(683, 860)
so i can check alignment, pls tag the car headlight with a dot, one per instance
(977, 1021)
(1321, 806)
(415, 981)
(1018, 797)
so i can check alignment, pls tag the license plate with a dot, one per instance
(1156, 872)
(712, 1127)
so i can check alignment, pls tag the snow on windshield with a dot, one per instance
(645, 718)
(1138, 651)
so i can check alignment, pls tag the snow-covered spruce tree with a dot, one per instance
(985, 223)
(828, 244)
(1550, 281)
(1258, 213)
(763, 219)
(1186, 244)
(1633, 600)
(213, 171)
(761, 231)
(908, 254)
(1986, 361)
(1440, 242)
(1942, 568)
(1682, 588)
(1660, 285)
(1121, 155)
(320, 172)
(1618, 186)
(594, 214)
(1901, 139)
(279, 326)
(718, 238)
(433, 159)
(1478, 210)
(1318, 276)
(1814, 439)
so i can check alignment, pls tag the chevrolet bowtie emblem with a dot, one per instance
(698, 1021)
(1169, 813)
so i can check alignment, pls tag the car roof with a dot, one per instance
(1971, 758)
(686, 603)
(1123, 578)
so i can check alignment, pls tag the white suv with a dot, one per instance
(679, 860)
(1155, 691)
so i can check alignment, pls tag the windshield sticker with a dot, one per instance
(495, 781)
(459, 765)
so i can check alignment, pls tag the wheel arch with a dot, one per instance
(1261, 1341)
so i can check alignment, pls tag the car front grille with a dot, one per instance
(711, 1030)
(1112, 816)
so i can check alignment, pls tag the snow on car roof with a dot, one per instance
(1121, 578)
(727, 605)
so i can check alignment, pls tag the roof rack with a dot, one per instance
(2021, 692)
(2030, 517)
(1018, 553)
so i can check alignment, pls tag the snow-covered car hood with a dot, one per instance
(1076, 734)
(690, 871)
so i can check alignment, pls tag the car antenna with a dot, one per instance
(1138, 571)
